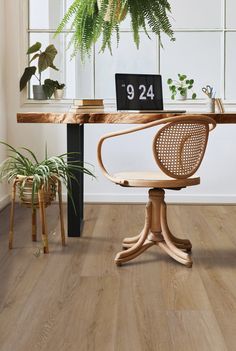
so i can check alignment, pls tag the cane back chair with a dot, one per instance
(178, 149)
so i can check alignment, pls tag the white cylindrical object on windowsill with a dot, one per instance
(211, 105)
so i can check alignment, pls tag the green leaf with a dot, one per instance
(27, 75)
(183, 91)
(34, 57)
(182, 78)
(46, 58)
(190, 87)
(34, 48)
(187, 81)
(54, 67)
(194, 96)
(169, 81)
(172, 97)
(191, 81)
(49, 87)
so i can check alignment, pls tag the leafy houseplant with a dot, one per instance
(181, 87)
(94, 18)
(45, 60)
(35, 174)
(53, 87)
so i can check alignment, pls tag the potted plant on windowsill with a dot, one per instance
(45, 61)
(180, 88)
(53, 87)
(92, 19)
(24, 165)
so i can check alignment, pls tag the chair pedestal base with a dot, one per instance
(156, 232)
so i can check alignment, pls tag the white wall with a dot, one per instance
(218, 169)
(3, 132)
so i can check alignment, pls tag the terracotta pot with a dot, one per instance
(25, 193)
(120, 14)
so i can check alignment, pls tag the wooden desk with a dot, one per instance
(75, 142)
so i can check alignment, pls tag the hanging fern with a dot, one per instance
(92, 19)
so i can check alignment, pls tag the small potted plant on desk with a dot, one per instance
(181, 87)
(45, 60)
(37, 183)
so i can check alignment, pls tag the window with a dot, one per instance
(204, 49)
(44, 17)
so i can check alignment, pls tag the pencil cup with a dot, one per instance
(211, 105)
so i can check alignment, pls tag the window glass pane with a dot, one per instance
(196, 14)
(195, 54)
(125, 59)
(63, 61)
(230, 13)
(230, 66)
(45, 14)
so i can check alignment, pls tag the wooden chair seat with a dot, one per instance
(156, 179)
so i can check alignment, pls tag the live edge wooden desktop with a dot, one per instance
(75, 142)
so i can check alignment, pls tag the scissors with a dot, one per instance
(208, 90)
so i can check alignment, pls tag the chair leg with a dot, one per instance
(156, 232)
(167, 237)
(141, 245)
(11, 232)
(34, 225)
(63, 240)
(183, 244)
(43, 221)
(129, 242)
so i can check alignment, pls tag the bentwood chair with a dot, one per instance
(178, 149)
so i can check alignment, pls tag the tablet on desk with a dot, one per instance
(140, 93)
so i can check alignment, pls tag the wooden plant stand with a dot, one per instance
(156, 232)
(43, 201)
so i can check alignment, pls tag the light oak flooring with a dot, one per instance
(76, 299)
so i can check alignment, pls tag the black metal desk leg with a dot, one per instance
(75, 142)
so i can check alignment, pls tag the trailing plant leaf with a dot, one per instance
(92, 19)
(27, 75)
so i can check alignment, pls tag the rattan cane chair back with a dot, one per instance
(179, 147)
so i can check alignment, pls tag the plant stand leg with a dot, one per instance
(11, 232)
(43, 221)
(34, 225)
(63, 240)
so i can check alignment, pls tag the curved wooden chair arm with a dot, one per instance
(181, 118)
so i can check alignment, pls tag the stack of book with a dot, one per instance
(87, 106)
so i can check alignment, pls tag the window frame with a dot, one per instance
(200, 103)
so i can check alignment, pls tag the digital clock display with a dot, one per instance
(139, 92)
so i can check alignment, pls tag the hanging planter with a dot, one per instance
(92, 19)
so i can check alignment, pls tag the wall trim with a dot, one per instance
(174, 199)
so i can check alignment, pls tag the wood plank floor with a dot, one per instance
(75, 298)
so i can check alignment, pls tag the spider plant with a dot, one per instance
(25, 163)
(91, 19)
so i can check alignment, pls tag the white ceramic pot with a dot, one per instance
(58, 94)
(182, 97)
